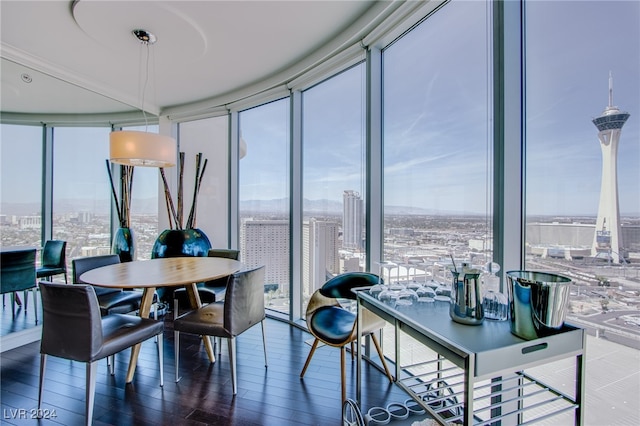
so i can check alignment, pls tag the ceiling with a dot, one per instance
(81, 57)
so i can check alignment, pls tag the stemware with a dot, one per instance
(406, 297)
(426, 294)
(494, 302)
(376, 289)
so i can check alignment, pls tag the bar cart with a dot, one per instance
(476, 375)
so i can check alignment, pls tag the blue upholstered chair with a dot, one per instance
(53, 260)
(18, 273)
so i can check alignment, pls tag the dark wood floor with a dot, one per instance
(266, 396)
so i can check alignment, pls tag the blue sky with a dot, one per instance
(438, 122)
(571, 48)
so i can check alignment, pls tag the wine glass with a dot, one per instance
(494, 303)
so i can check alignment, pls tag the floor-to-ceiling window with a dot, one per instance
(333, 181)
(583, 182)
(437, 144)
(21, 191)
(81, 190)
(264, 197)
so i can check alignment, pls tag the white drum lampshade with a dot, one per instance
(136, 148)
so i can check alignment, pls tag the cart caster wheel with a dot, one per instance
(351, 415)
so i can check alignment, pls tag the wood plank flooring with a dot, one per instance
(266, 396)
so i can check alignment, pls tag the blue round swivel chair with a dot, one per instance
(330, 323)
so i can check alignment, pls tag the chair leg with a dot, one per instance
(26, 301)
(43, 363)
(92, 368)
(212, 343)
(35, 303)
(306, 364)
(155, 317)
(176, 346)
(343, 375)
(232, 362)
(161, 357)
(264, 343)
(13, 304)
(384, 364)
(175, 309)
(111, 363)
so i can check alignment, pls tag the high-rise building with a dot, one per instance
(266, 242)
(320, 256)
(352, 220)
(607, 239)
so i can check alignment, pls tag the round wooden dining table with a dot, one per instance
(164, 272)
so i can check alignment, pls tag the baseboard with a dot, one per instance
(20, 338)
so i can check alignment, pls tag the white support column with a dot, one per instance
(295, 207)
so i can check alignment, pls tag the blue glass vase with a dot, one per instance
(181, 243)
(123, 244)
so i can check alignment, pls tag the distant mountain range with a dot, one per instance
(149, 206)
(328, 206)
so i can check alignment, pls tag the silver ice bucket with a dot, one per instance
(537, 303)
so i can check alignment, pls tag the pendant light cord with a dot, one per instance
(144, 86)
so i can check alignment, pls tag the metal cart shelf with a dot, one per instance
(477, 376)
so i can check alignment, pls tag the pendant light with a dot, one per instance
(137, 148)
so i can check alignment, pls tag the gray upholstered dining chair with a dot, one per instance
(110, 300)
(241, 309)
(53, 260)
(18, 273)
(73, 328)
(210, 291)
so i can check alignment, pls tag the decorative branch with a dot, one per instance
(195, 200)
(113, 192)
(190, 219)
(123, 206)
(126, 187)
(175, 218)
(180, 193)
(171, 211)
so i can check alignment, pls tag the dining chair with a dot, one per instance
(334, 325)
(241, 309)
(74, 329)
(110, 300)
(18, 273)
(210, 291)
(53, 260)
